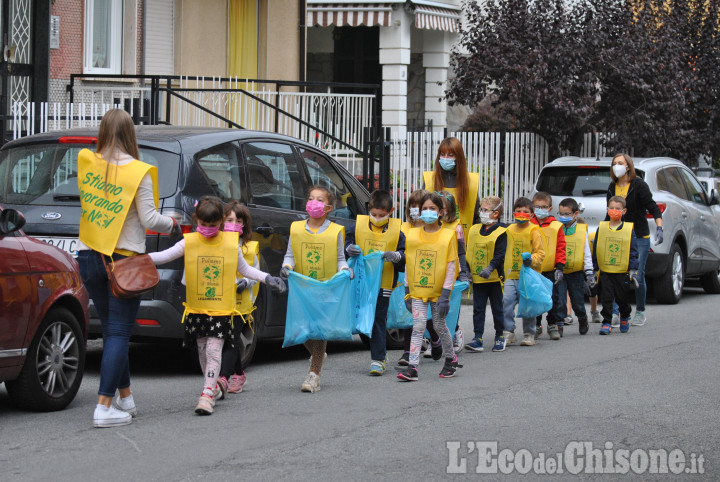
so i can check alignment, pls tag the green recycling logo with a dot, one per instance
(424, 281)
(426, 263)
(211, 273)
(210, 292)
(313, 256)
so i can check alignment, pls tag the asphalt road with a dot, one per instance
(655, 388)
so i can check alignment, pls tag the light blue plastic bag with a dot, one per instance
(398, 317)
(535, 293)
(319, 310)
(451, 320)
(366, 287)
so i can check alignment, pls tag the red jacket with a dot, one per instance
(560, 257)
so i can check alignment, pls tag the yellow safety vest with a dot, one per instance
(210, 267)
(466, 212)
(613, 247)
(370, 241)
(480, 251)
(315, 254)
(549, 238)
(518, 242)
(406, 227)
(105, 202)
(245, 300)
(575, 249)
(426, 259)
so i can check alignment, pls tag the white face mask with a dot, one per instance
(619, 170)
(414, 213)
(486, 218)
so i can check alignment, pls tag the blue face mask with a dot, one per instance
(447, 163)
(565, 219)
(541, 213)
(428, 216)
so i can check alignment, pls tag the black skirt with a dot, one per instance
(199, 326)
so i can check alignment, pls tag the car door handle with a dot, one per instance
(684, 214)
(702, 217)
(264, 230)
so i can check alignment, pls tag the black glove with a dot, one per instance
(466, 277)
(527, 259)
(352, 251)
(587, 290)
(276, 283)
(392, 256)
(443, 303)
(408, 301)
(241, 285)
(176, 231)
(486, 273)
(559, 276)
(285, 272)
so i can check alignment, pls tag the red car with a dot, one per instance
(43, 319)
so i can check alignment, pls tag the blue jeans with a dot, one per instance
(378, 350)
(573, 283)
(482, 292)
(511, 297)
(117, 317)
(643, 247)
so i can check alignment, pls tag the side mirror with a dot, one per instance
(10, 221)
(714, 197)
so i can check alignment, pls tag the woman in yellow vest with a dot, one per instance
(316, 249)
(118, 199)
(232, 376)
(212, 257)
(430, 265)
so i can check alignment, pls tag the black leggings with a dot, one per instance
(231, 357)
(407, 334)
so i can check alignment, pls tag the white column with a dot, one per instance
(395, 58)
(436, 60)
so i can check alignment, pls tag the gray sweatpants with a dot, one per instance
(511, 297)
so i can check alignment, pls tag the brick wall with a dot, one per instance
(68, 59)
(139, 57)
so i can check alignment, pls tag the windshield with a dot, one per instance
(574, 181)
(47, 173)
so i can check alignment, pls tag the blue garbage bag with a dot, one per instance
(366, 287)
(535, 293)
(319, 310)
(451, 320)
(398, 317)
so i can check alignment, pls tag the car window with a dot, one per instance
(673, 183)
(697, 193)
(574, 181)
(47, 173)
(273, 175)
(323, 173)
(222, 167)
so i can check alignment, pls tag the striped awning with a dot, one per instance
(352, 14)
(434, 18)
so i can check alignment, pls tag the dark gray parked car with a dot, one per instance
(691, 216)
(270, 173)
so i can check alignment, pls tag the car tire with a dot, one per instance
(250, 330)
(711, 282)
(56, 354)
(669, 286)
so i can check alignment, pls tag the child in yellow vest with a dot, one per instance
(431, 259)
(412, 214)
(316, 249)
(378, 232)
(578, 277)
(524, 246)
(212, 257)
(451, 221)
(486, 244)
(615, 256)
(232, 376)
(554, 262)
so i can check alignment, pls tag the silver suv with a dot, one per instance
(691, 216)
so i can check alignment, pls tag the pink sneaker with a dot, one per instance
(220, 389)
(236, 383)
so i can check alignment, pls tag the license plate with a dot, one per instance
(69, 245)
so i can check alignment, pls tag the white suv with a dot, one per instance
(691, 216)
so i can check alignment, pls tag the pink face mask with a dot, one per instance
(234, 228)
(315, 209)
(208, 232)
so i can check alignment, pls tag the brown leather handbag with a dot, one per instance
(132, 276)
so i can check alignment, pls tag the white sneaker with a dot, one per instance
(596, 316)
(427, 353)
(528, 339)
(311, 383)
(615, 320)
(569, 320)
(458, 341)
(105, 417)
(509, 337)
(638, 319)
(126, 405)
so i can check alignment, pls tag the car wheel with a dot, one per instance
(711, 282)
(54, 365)
(249, 330)
(394, 340)
(669, 286)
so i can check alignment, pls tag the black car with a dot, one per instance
(270, 173)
